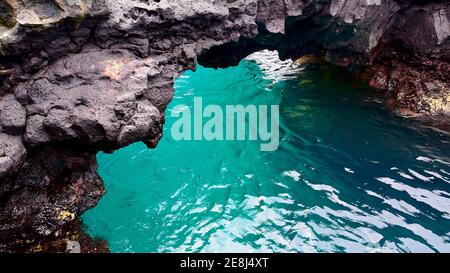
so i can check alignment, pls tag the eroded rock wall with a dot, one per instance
(81, 76)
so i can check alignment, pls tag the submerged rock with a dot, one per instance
(78, 77)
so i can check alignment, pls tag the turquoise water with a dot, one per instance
(347, 177)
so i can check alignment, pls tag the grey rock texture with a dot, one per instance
(12, 153)
(102, 103)
(81, 76)
(12, 115)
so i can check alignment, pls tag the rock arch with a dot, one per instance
(98, 75)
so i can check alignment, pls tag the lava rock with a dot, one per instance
(12, 153)
(12, 115)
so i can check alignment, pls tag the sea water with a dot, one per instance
(347, 176)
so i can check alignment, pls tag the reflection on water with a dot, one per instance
(347, 177)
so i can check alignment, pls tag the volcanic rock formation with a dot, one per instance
(82, 76)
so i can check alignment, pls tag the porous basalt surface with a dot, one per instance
(82, 76)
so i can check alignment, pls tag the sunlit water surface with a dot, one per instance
(348, 176)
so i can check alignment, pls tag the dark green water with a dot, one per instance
(347, 177)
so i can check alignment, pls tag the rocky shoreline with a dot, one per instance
(78, 77)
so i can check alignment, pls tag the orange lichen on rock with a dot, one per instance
(114, 69)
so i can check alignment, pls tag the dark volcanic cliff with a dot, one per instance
(81, 76)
